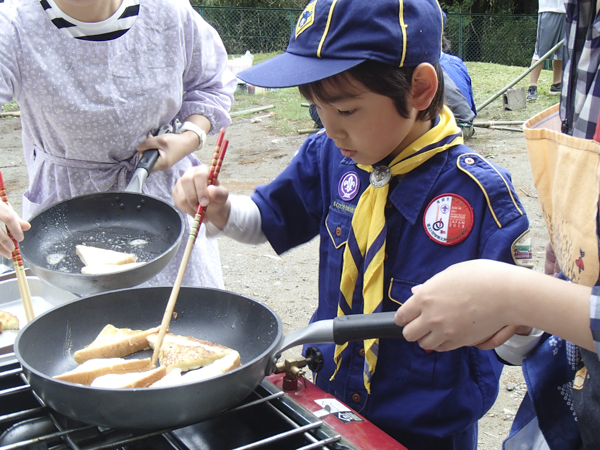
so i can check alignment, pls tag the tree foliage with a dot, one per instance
(452, 6)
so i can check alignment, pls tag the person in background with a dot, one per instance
(395, 197)
(93, 80)
(481, 302)
(458, 91)
(550, 31)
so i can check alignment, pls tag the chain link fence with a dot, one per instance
(501, 39)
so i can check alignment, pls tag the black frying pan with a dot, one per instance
(128, 221)
(45, 347)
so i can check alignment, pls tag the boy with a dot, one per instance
(395, 198)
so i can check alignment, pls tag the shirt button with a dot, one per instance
(388, 204)
(338, 231)
(385, 258)
(469, 161)
(356, 398)
(361, 352)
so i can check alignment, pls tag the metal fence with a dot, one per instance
(502, 39)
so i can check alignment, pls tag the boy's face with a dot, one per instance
(366, 126)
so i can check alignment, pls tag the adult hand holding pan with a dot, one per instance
(126, 221)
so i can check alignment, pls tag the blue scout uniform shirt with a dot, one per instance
(417, 397)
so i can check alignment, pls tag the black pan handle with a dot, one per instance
(340, 330)
(368, 326)
(147, 161)
(146, 164)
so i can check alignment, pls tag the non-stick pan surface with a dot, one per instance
(46, 345)
(127, 222)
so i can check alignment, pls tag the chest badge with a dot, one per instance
(448, 219)
(349, 186)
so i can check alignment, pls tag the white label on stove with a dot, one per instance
(338, 409)
(332, 405)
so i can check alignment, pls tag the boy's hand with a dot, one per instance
(15, 224)
(192, 189)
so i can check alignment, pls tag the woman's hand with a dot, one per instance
(173, 147)
(15, 224)
(192, 190)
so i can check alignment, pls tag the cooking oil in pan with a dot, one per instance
(62, 256)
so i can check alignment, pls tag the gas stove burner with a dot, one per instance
(269, 419)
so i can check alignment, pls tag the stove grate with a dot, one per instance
(26, 422)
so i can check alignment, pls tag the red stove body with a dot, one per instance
(347, 422)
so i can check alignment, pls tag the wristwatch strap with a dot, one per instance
(189, 126)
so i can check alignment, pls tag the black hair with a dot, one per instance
(384, 79)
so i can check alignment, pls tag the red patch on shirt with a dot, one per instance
(448, 219)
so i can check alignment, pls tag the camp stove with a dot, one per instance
(286, 411)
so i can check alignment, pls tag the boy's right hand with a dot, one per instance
(192, 189)
(15, 224)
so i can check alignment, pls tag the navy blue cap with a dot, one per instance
(332, 36)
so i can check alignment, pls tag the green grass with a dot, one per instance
(12, 106)
(487, 79)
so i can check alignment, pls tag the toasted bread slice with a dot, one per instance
(220, 366)
(130, 380)
(108, 268)
(94, 368)
(8, 321)
(115, 343)
(187, 353)
(93, 256)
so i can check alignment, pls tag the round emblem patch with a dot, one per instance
(448, 219)
(349, 186)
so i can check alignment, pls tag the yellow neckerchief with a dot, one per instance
(365, 247)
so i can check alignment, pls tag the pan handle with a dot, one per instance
(145, 164)
(343, 329)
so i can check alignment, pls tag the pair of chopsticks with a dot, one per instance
(215, 168)
(18, 263)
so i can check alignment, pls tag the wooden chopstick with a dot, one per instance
(18, 263)
(215, 167)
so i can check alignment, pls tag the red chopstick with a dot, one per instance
(215, 167)
(18, 263)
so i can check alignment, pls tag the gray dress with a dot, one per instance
(86, 105)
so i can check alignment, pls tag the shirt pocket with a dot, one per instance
(338, 226)
(407, 361)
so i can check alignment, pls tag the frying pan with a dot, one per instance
(45, 347)
(127, 221)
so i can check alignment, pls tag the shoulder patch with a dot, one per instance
(502, 201)
(522, 251)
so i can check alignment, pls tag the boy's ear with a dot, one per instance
(424, 86)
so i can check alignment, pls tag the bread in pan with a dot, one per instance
(187, 353)
(115, 342)
(93, 368)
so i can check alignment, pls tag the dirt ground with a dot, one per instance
(288, 283)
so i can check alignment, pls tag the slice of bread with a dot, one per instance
(130, 380)
(108, 268)
(220, 366)
(8, 321)
(187, 353)
(93, 256)
(94, 368)
(115, 342)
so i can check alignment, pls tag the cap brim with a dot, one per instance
(288, 70)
